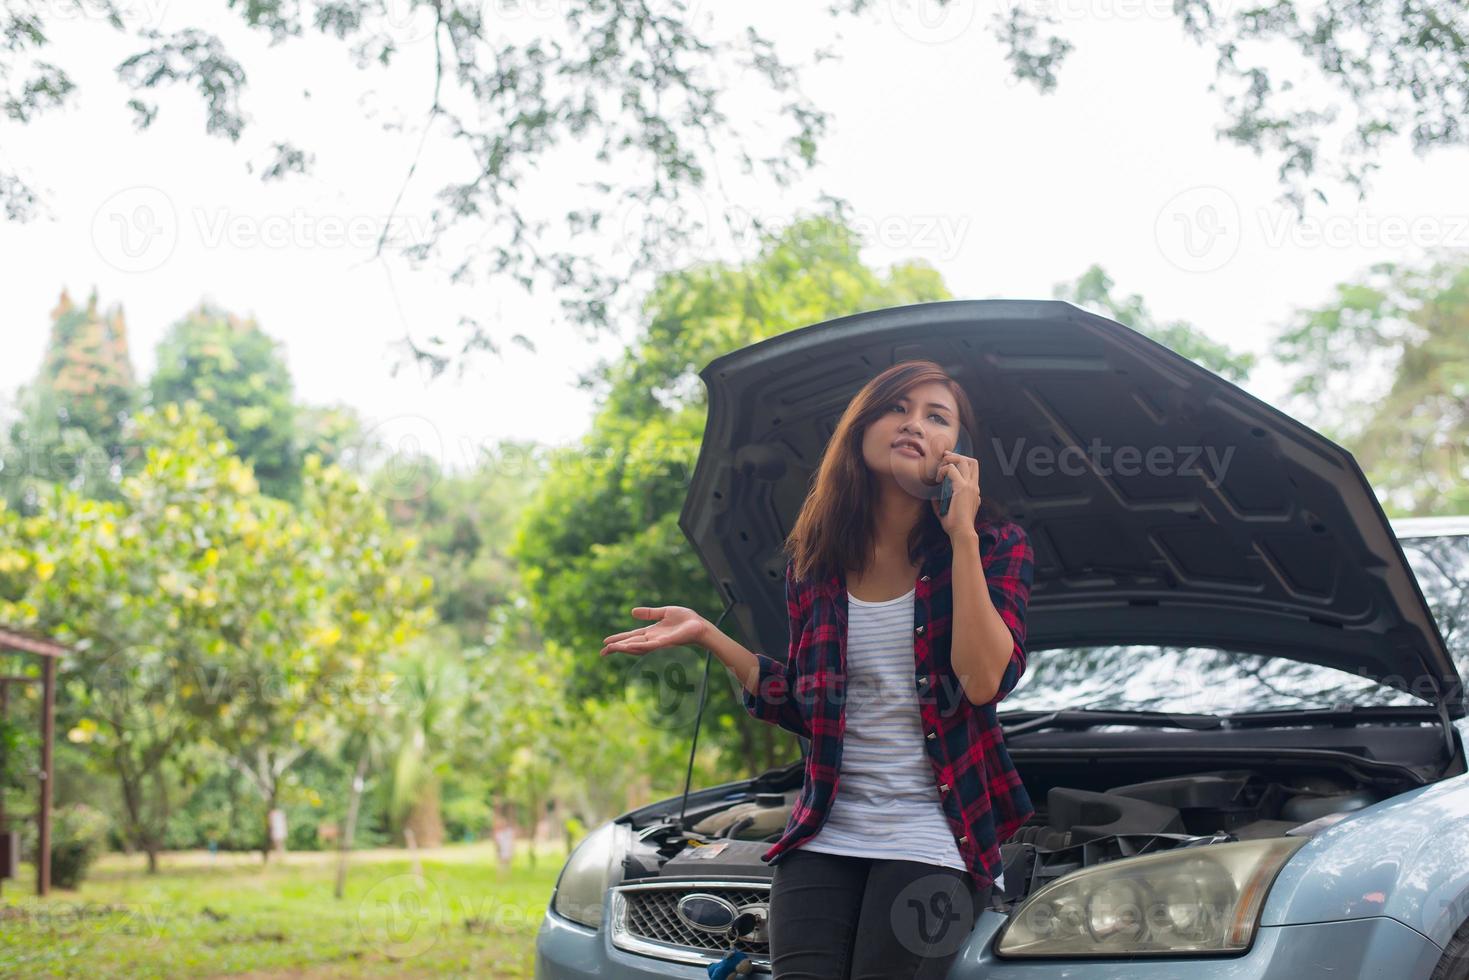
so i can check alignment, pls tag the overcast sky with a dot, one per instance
(1006, 191)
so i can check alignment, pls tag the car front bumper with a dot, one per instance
(567, 950)
(1368, 947)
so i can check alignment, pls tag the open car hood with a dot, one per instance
(1250, 531)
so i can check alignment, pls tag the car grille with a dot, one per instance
(645, 920)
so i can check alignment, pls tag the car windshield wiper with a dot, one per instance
(1018, 722)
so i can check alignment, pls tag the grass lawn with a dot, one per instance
(203, 918)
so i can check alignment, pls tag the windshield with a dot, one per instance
(1194, 679)
(1441, 564)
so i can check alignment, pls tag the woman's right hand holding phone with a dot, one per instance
(674, 626)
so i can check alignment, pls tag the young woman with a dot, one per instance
(906, 629)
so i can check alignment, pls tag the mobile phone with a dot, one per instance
(946, 491)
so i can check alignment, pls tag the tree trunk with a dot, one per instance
(136, 822)
(535, 826)
(349, 832)
(272, 803)
(412, 840)
(424, 818)
(504, 834)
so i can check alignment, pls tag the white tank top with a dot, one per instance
(887, 803)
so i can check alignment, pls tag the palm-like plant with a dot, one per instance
(429, 692)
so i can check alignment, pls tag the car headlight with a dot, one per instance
(594, 866)
(1203, 899)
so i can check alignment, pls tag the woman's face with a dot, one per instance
(909, 438)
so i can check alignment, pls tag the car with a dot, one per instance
(1242, 719)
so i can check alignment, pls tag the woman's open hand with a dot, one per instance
(675, 626)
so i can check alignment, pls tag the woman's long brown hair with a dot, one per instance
(836, 523)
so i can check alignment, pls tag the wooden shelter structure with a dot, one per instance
(19, 641)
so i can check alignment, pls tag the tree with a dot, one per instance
(89, 368)
(239, 374)
(73, 413)
(1383, 367)
(1093, 290)
(623, 82)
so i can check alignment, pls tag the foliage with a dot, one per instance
(89, 369)
(144, 588)
(78, 837)
(17, 747)
(71, 418)
(467, 817)
(226, 812)
(430, 687)
(239, 375)
(1093, 290)
(1383, 367)
(205, 613)
(341, 600)
(464, 523)
(337, 434)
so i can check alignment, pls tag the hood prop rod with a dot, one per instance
(1448, 730)
(698, 719)
(1440, 702)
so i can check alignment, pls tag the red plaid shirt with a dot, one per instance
(980, 792)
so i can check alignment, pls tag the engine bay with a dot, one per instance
(1073, 827)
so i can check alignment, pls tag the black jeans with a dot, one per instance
(838, 917)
